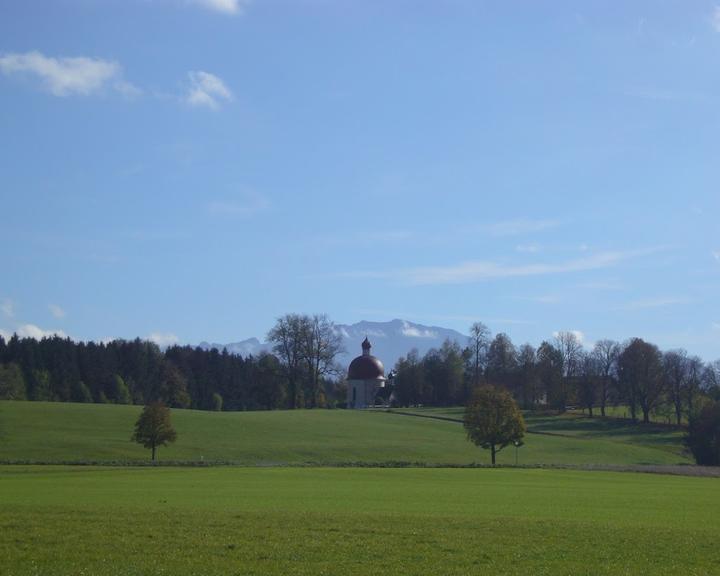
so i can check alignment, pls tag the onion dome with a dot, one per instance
(366, 367)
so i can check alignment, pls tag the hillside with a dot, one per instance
(55, 432)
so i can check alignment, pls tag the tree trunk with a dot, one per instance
(153, 452)
(646, 416)
(590, 410)
(492, 452)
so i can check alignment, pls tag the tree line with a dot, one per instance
(135, 372)
(302, 372)
(560, 373)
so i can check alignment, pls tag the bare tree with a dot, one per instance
(529, 378)
(606, 353)
(711, 376)
(696, 368)
(479, 343)
(589, 378)
(321, 343)
(675, 373)
(570, 347)
(287, 337)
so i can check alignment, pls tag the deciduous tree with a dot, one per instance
(492, 419)
(703, 435)
(153, 427)
(479, 343)
(606, 354)
(640, 366)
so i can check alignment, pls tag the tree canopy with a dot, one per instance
(153, 427)
(492, 419)
(703, 435)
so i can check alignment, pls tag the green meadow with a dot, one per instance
(59, 432)
(268, 515)
(235, 520)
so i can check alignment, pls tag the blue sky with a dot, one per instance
(190, 170)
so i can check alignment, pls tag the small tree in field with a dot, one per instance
(492, 419)
(153, 427)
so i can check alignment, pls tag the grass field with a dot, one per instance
(58, 432)
(107, 521)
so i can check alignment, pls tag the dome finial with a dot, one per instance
(366, 346)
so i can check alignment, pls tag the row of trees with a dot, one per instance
(561, 373)
(137, 372)
(301, 371)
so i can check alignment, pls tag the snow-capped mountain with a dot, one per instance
(390, 340)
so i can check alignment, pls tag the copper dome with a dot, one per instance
(366, 368)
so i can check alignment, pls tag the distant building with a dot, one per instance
(365, 375)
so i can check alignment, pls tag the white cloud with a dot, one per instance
(206, 90)
(577, 333)
(249, 204)
(163, 339)
(415, 332)
(8, 307)
(67, 76)
(4, 334)
(56, 311)
(33, 331)
(715, 19)
(518, 227)
(223, 6)
(477, 271)
(340, 332)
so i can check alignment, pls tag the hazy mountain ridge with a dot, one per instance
(391, 340)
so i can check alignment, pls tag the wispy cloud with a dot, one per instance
(247, 205)
(33, 331)
(608, 285)
(163, 339)
(56, 311)
(715, 18)
(206, 90)
(235, 7)
(478, 271)
(518, 227)
(652, 303)
(527, 248)
(716, 255)
(67, 76)
(7, 307)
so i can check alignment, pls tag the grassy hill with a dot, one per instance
(55, 432)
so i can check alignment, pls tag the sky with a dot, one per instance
(188, 170)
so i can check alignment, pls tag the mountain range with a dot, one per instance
(390, 340)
